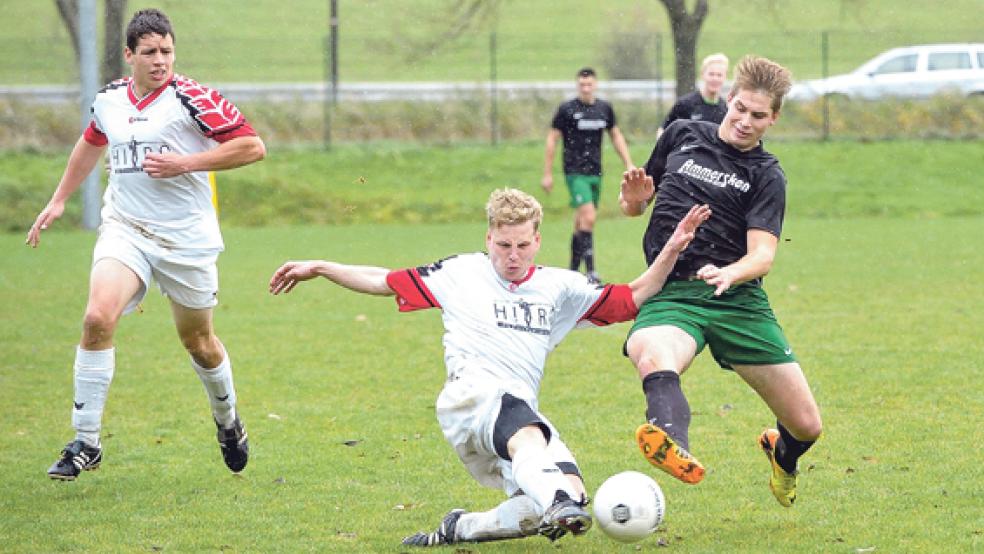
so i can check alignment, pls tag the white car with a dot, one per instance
(913, 72)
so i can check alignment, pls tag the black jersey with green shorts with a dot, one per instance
(745, 190)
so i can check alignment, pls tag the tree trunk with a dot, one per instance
(69, 12)
(112, 63)
(686, 28)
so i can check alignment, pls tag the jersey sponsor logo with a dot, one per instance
(135, 118)
(712, 177)
(213, 113)
(591, 124)
(524, 316)
(128, 157)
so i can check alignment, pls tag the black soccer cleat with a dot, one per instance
(443, 535)
(234, 444)
(564, 516)
(75, 458)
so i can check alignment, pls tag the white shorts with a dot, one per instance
(468, 409)
(189, 277)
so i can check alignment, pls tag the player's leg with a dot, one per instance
(579, 187)
(112, 287)
(211, 362)
(784, 388)
(584, 222)
(515, 518)
(661, 353)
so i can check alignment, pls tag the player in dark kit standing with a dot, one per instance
(580, 122)
(706, 103)
(714, 294)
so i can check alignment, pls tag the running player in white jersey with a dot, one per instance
(502, 316)
(164, 133)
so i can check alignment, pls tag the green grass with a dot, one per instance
(881, 309)
(390, 182)
(223, 40)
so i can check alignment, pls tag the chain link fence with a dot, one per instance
(504, 86)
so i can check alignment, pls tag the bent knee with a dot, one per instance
(806, 429)
(99, 322)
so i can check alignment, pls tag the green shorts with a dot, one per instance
(584, 189)
(739, 325)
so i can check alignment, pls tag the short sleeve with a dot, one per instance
(94, 136)
(217, 118)
(768, 205)
(558, 119)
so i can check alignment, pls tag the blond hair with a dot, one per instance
(764, 75)
(714, 58)
(512, 207)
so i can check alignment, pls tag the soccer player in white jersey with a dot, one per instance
(502, 316)
(164, 133)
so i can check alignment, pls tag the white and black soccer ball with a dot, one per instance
(629, 506)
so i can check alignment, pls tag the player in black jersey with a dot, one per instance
(706, 103)
(580, 122)
(714, 296)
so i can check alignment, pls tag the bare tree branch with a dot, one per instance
(686, 28)
(112, 62)
(69, 12)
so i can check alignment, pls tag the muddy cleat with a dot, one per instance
(594, 278)
(664, 453)
(783, 484)
(564, 516)
(443, 535)
(76, 457)
(234, 444)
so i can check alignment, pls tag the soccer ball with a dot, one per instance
(629, 506)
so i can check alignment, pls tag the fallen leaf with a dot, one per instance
(273, 416)
(352, 442)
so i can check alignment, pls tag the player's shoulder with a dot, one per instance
(118, 85)
(186, 86)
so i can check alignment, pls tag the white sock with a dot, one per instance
(220, 390)
(539, 477)
(515, 518)
(93, 372)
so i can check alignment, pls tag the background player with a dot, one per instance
(714, 295)
(705, 103)
(502, 316)
(580, 122)
(165, 133)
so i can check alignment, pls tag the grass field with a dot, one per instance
(228, 41)
(882, 311)
(877, 285)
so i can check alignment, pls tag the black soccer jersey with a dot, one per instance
(745, 190)
(582, 125)
(693, 106)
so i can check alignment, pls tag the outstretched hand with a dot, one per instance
(637, 187)
(288, 275)
(48, 215)
(687, 227)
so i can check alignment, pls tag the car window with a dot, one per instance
(980, 59)
(898, 64)
(939, 61)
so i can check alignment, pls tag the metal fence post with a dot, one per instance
(88, 85)
(493, 90)
(659, 78)
(825, 102)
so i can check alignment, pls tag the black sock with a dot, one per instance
(587, 250)
(576, 249)
(789, 449)
(667, 407)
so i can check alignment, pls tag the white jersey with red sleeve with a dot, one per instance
(182, 117)
(506, 328)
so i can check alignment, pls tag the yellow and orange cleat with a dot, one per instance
(664, 453)
(783, 484)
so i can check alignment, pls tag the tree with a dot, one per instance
(686, 27)
(112, 65)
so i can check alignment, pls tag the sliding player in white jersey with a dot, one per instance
(164, 133)
(502, 316)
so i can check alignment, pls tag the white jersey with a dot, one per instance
(507, 328)
(182, 117)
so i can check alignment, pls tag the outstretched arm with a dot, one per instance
(754, 264)
(80, 163)
(360, 278)
(652, 280)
